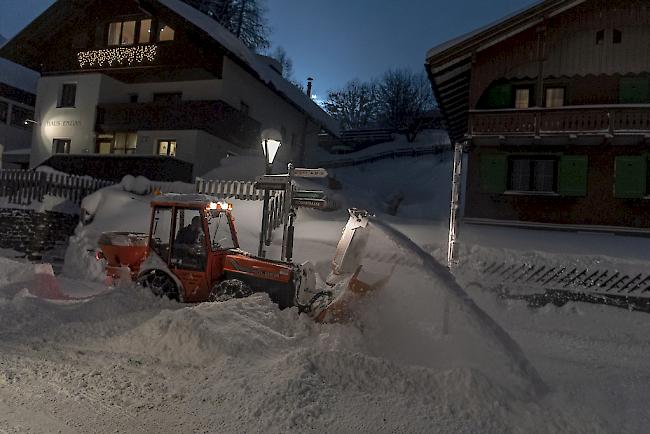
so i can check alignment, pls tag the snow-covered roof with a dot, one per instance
(17, 75)
(243, 53)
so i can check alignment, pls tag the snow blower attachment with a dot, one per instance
(192, 254)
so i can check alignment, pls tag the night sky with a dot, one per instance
(337, 40)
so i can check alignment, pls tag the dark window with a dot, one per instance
(124, 143)
(600, 37)
(617, 37)
(535, 174)
(61, 146)
(68, 95)
(167, 148)
(167, 97)
(20, 117)
(133, 97)
(245, 108)
(4, 111)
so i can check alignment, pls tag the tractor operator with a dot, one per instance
(190, 234)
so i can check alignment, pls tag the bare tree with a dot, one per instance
(403, 98)
(354, 106)
(244, 18)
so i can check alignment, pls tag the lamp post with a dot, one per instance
(270, 148)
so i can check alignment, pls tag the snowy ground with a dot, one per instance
(120, 360)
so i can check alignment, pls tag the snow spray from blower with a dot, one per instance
(482, 320)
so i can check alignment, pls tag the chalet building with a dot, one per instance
(17, 100)
(552, 107)
(155, 80)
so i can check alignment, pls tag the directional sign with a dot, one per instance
(309, 203)
(310, 173)
(309, 194)
(271, 182)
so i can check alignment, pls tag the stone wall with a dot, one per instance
(39, 236)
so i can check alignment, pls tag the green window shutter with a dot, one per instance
(573, 175)
(634, 90)
(493, 173)
(630, 177)
(500, 96)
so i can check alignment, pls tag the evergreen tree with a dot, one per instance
(244, 18)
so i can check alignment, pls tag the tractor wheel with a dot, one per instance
(228, 289)
(160, 284)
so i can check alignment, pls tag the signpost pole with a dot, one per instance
(287, 211)
(265, 207)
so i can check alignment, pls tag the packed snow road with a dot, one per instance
(125, 361)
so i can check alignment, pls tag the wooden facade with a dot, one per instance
(553, 107)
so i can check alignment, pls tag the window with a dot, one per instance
(167, 97)
(188, 251)
(600, 37)
(220, 235)
(617, 37)
(244, 108)
(61, 146)
(554, 97)
(19, 117)
(117, 143)
(124, 143)
(162, 220)
(68, 95)
(133, 98)
(165, 33)
(124, 32)
(145, 32)
(532, 174)
(522, 98)
(4, 111)
(167, 148)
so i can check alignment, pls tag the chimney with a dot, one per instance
(309, 84)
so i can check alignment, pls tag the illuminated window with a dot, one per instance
(114, 31)
(145, 32)
(68, 95)
(522, 98)
(167, 148)
(124, 32)
(61, 146)
(554, 97)
(165, 33)
(124, 143)
(128, 33)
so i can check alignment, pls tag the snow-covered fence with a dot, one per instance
(25, 186)
(397, 153)
(244, 190)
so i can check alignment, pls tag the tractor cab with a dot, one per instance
(191, 234)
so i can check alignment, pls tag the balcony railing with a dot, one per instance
(566, 120)
(214, 117)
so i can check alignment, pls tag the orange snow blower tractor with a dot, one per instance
(192, 254)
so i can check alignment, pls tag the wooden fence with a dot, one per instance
(25, 186)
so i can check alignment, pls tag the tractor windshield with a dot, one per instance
(220, 235)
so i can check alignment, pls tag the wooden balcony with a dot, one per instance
(214, 117)
(578, 120)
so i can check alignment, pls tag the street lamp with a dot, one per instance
(270, 147)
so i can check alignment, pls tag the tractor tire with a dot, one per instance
(160, 283)
(229, 289)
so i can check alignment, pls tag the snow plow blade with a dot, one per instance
(344, 285)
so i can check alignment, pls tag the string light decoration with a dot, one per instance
(117, 56)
